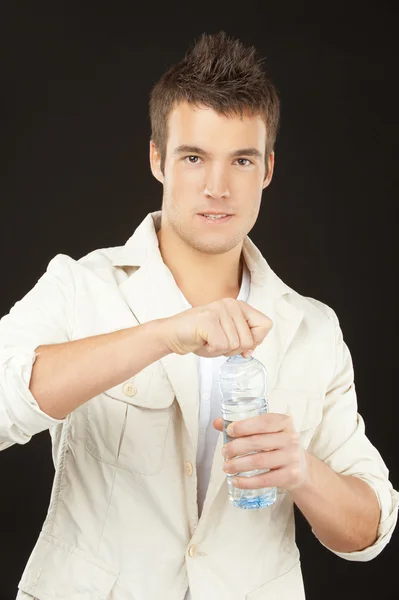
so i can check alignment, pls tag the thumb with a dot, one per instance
(218, 424)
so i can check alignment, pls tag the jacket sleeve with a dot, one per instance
(340, 441)
(43, 316)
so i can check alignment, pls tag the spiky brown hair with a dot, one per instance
(221, 73)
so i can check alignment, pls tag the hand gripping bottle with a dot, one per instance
(243, 386)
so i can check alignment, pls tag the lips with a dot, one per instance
(215, 219)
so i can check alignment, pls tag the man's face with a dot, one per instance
(213, 164)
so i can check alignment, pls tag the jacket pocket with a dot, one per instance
(58, 570)
(127, 425)
(288, 586)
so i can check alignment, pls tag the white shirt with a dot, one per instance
(210, 400)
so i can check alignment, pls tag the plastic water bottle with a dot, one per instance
(243, 386)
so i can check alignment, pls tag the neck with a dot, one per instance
(202, 278)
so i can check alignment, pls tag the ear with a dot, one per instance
(155, 162)
(270, 163)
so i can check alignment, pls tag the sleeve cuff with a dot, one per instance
(23, 417)
(385, 530)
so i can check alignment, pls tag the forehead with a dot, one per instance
(204, 127)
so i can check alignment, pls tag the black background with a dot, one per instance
(75, 135)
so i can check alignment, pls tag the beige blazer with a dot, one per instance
(123, 522)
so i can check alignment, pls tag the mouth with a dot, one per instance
(215, 219)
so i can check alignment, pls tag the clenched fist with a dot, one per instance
(223, 328)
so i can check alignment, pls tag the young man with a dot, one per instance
(117, 354)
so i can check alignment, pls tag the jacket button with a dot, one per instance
(129, 389)
(189, 468)
(192, 551)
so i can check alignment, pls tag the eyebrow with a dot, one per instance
(185, 149)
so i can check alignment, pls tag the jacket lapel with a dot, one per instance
(151, 293)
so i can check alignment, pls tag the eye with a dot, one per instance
(192, 159)
(248, 162)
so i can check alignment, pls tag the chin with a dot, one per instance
(212, 246)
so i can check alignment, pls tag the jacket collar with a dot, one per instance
(143, 244)
(151, 293)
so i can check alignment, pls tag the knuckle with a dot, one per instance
(258, 446)
(258, 460)
(247, 342)
(234, 342)
(233, 451)
(294, 472)
(265, 479)
(256, 443)
(209, 316)
(217, 345)
(297, 446)
(228, 301)
(221, 347)
(265, 328)
(290, 439)
(295, 442)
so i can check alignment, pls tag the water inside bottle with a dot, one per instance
(238, 410)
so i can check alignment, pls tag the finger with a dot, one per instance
(240, 325)
(216, 340)
(275, 478)
(229, 327)
(266, 423)
(259, 324)
(261, 460)
(256, 443)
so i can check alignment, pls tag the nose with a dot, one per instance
(216, 183)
